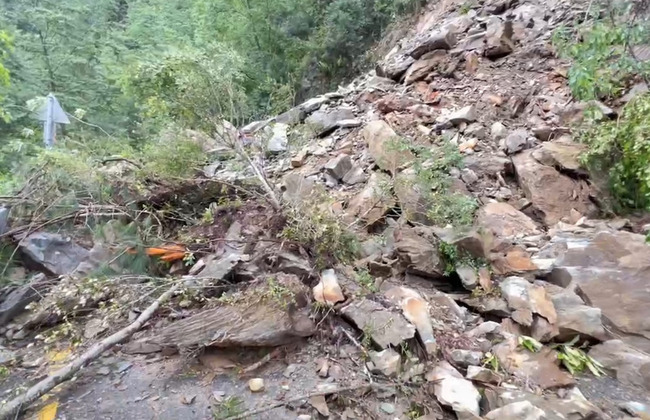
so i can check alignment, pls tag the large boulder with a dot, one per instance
(452, 390)
(503, 220)
(241, 323)
(628, 364)
(17, 299)
(572, 405)
(383, 146)
(372, 203)
(574, 317)
(53, 252)
(526, 299)
(323, 122)
(561, 155)
(611, 271)
(384, 326)
(419, 255)
(394, 66)
(538, 369)
(551, 193)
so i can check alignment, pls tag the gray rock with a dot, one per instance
(387, 408)
(387, 362)
(4, 220)
(395, 66)
(354, 176)
(443, 39)
(485, 375)
(371, 204)
(53, 252)
(380, 138)
(475, 130)
(463, 115)
(313, 104)
(6, 356)
(516, 141)
(16, 301)
(468, 176)
(468, 276)
(385, 327)
(324, 122)
(636, 409)
(464, 358)
(421, 68)
(291, 263)
(498, 131)
(296, 187)
(608, 268)
(574, 317)
(351, 123)
(278, 141)
(338, 167)
(452, 390)
(552, 193)
(242, 324)
(420, 256)
(526, 299)
(629, 365)
(572, 405)
(522, 410)
(330, 181)
(484, 329)
(255, 126)
(291, 117)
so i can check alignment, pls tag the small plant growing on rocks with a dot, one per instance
(492, 362)
(365, 279)
(431, 166)
(313, 224)
(229, 407)
(453, 258)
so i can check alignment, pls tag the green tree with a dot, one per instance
(5, 47)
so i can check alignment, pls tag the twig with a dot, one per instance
(18, 404)
(269, 407)
(121, 159)
(355, 342)
(264, 360)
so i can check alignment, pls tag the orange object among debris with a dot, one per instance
(167, 253)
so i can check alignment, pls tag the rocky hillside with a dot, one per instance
(439, 252)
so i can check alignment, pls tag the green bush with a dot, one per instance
(621, 149)
(173, 157)
(432, 180)
(602, 63)
(313, 224)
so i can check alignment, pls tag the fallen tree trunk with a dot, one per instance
(18, 404)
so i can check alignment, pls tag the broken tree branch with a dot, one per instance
(18, 404)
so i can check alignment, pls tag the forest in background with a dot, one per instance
(127, 69)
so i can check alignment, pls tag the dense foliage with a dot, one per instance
(609, 55)
(127, 70)
(603, 52)
(622, 149)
